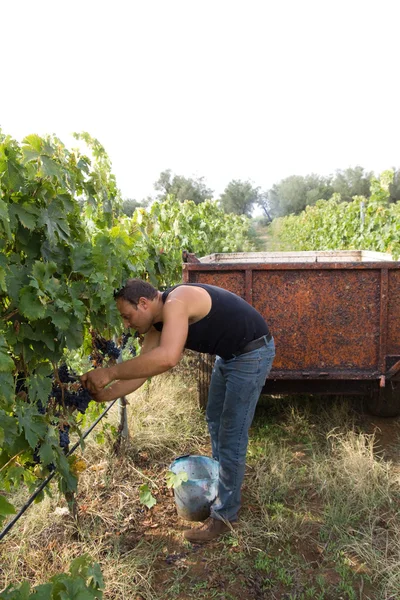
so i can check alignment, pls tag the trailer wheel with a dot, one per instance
(385, 402)
(206, 363)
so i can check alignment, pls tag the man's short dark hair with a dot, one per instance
(134, 289)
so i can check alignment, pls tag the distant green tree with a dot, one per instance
(129, 206)
(294, 193)
(352, 182)
(264, 203)
(239, 197)
(183, 188)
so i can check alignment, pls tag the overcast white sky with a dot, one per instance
(254, 89)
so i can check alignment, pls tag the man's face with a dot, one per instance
(138, 318)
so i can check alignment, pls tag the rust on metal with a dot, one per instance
(393, 334)
(249, 286)
(185, 274)
(383, 327)
(231, 280)
(315, 374)
(330, 320)
(322, 320)
(277, 266)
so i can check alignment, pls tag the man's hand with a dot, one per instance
(96, 380)
(108, 394)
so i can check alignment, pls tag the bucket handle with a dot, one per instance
(182, 456)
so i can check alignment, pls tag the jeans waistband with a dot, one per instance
(258, 343)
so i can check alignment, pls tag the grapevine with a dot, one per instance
(65, 247)
(84, 578)
(124, 342)
(336, 225)
(106, 347)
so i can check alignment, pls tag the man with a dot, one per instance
(208, 319)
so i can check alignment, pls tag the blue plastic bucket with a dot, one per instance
(194, 497)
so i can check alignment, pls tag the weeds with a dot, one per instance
(320, 515)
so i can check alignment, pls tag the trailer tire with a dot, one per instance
(206, 363)
(385, 401)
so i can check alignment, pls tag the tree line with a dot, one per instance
(289, 196)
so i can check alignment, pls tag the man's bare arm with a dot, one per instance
(158, 360)
(169, 351)
(118, 389)
(124, 387)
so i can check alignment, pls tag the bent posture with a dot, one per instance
(211, 320)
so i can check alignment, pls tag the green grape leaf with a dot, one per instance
(33, 143)
(22, 593)
(6, 362)
(55, 222)
(33, 427)
(74, 336)
(176, 479)
(46, 454)
(5, 508)
(27, 214)
(75, 589)
(43, 592)
(8, 426)
(96, 577)
(11, 174)
(146, 497)
(59, 318)
(50, 168)
(39, 387)
(79, 566)
(4, 218)
(69, 479)
(30, 305)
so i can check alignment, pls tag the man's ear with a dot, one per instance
(143, 302)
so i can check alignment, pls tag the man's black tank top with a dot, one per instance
(229, 326)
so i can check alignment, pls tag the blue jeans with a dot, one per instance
(235, 388)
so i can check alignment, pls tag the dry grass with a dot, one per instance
(316, 493)
(318, 477)
(163, 420)
(164, 417)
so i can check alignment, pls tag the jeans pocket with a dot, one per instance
(248, 365)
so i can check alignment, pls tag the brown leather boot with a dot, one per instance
(210, 530)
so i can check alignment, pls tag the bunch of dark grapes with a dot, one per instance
(57, 393)
(79, 399)
(70, 392)
(111, 350)
(64, 438)
(40, 407)
(107, 347)
(64, 375)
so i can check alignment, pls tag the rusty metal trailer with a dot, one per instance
(335, 317)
